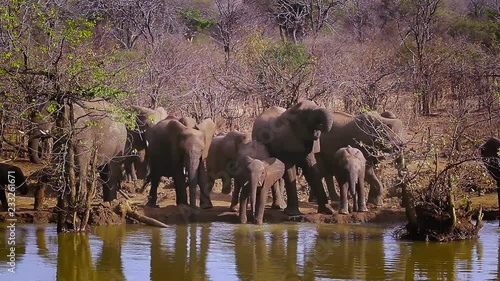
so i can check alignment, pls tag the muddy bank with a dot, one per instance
(168, 213)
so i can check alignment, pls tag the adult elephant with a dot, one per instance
(369, 132)
(12, 179)
(136, 166)
(174, 148)
(97, 129)
(40, 137)
(291, 135)
(222, 154)
(490, 156)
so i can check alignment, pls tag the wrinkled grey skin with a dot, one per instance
(136, 166)
(222, 164)
(292, 137)
(174, 148)
(255, 177)
(385, 135)
(11, 174)
(40, 138)
(96, 128)
(349, 170)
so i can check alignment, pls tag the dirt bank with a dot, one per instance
(168, 213)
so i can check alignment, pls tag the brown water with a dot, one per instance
(245, 252)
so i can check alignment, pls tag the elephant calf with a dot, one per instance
(255, 177)
(349, 170)
(11, 179)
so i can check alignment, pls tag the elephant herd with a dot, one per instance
(323, 144)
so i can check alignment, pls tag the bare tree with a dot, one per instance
(230, 15)
(419, 18)
(296, 18)
(358, 13)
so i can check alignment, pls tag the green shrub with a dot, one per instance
(486, 33)
(196, 20)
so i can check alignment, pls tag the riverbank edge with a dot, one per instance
(173, 215)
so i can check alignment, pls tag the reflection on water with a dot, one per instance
(245, 252)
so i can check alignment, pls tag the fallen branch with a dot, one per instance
(124, 207)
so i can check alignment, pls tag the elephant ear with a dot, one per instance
(274, 171)
(207, 126)
(188, 122)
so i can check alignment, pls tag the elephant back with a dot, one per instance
(207, 127)
(255, 150)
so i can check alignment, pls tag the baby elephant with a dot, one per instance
(349, 170)
(11, 179)
(255, 177)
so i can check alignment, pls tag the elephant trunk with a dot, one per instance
(353, 180)
(193, 162)
(324, 117)
(253, 196)
(34, 146)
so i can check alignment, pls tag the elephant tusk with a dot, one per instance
(21, 132)
(147, 143)
(44, 132)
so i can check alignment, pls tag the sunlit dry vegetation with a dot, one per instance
(434, 63)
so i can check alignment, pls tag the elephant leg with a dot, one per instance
(344, 206)
(235, 197)
(226, 184)
(361, 193)
(111, 193)
(261, 205)
(205, 202)
(39, 195)
(290, 176)
(277, 190)
(153, 195)
(3, 199)
(334, 196)
(313, 177)
(133, 171)
(245, 194)
(312, 195)
(375, 193)
(104, 174)
(210, 183)
(180, 188)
